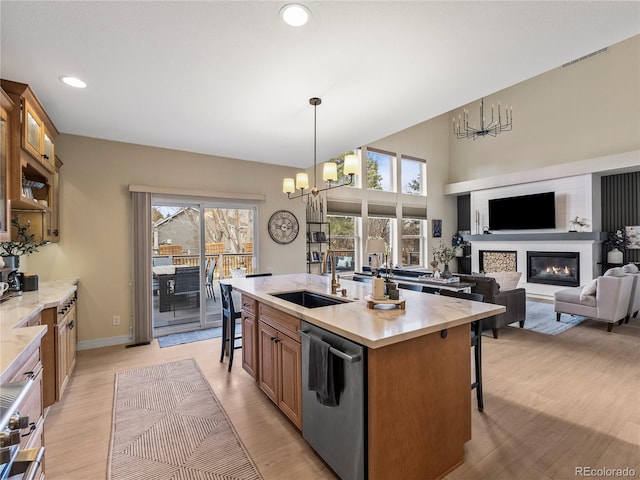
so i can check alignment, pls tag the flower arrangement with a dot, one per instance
(24, 244)
(616, 239)
(443, 254)
(457, 240)
(577, 223)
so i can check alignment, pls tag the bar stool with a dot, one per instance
(229, 317)
(476, 341)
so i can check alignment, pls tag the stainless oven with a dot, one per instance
(15, 461)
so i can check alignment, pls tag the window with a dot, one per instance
(380, 227)
(411, 242)
(343, 241)
(380, 168)
(413, 173)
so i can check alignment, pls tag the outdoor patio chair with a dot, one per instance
(209, 286)
(186, 283)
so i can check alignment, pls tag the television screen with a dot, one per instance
(526, 212)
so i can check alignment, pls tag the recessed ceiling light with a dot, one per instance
(295, 14)
(72, 81)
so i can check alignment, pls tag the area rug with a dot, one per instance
(541, 318)
(196, 336)
(168, 424)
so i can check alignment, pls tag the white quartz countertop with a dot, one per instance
(374, 328)
(15, 340)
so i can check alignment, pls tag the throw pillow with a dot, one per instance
(506, 280)
(614, 272)
(630, 268)
(589, 289)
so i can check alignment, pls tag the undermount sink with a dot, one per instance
(308, 299)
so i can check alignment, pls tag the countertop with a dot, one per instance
(374, 328)
(14, 342)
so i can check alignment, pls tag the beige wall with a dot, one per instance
(95, 222)
(587, 110)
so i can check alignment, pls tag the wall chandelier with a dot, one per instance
(462, 129)
(329, 172)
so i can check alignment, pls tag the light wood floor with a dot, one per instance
(552, 404)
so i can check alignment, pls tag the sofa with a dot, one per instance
(515, 301)
(606, 298)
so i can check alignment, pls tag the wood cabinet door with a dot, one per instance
(71, 339)
(249, 343)
(32, 134)
(268, 351)
(61, 361)
(290, 379)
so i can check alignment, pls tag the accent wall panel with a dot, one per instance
(621, 207)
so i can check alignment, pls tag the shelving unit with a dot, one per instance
(318, 238)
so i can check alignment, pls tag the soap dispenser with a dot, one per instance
(378, 288)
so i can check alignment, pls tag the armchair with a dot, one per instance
(605, 299)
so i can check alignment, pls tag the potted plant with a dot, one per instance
(616, 241)
(444, 254)
(24, 244)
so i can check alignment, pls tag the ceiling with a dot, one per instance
(229, 78)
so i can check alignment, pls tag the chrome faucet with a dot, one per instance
(334, 282)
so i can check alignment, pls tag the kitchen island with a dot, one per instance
(418, 366)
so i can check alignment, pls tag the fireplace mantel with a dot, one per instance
(536, 237)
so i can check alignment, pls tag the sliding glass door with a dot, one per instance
(195, 244)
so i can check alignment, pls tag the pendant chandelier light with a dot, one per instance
(462, 129)
(329, 173)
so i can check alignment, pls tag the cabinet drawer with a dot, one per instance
(287, 324)
(32, 406)
(31, 365)
(249, 304)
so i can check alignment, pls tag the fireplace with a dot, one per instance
(554, 268)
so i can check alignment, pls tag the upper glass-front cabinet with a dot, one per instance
(6, 105)
(36, 138)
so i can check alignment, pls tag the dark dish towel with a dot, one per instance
(321, 376)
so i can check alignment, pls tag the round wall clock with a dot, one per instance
(283, 227)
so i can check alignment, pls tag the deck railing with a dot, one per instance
(225, 262)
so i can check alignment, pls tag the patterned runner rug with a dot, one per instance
(168, 424)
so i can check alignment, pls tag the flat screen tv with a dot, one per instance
(526, 212)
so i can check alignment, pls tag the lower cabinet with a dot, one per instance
(58, 349)
(249, 337)
(279, 361)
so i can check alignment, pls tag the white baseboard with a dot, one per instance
(104, 342)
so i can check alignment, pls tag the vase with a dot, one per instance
(388, 286)
(446, 273)
(615, 256)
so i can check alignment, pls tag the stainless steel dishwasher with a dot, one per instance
(337, 433)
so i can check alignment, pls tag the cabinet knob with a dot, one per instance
(17, 421)
(9, 437)
(45, 156)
